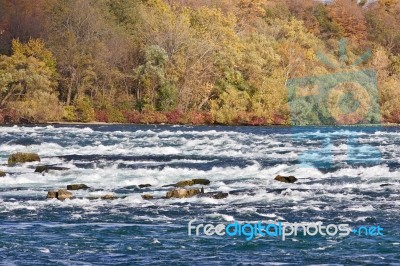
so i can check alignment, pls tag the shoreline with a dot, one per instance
(95, 123)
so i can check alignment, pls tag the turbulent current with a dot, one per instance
(347, 175)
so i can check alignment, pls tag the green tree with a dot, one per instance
(151, 77)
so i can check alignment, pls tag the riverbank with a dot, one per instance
(95, 123)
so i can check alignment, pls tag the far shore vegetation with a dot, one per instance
(184, 61)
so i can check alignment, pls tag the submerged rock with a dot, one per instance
(60, 194)
(214, 195)
(147, 197)
(286, 179)
(183, 193)
(2, 174)
(248, 192)
(220, 195)
(20, 157)
(47, 168)
(144, 185)
(106, 197)
(188, 183)
(77, 187)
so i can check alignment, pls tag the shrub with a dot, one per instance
(174, 116)
(115, 116)
(69, 114)
(281, 119)
(208, 118)
(133, 117)
(1, 117)
(10, 116)
(101, 116)
(40, 107)
(243, 118)
(84, 110)
(258, 121)
(197, 118)
(151, 117)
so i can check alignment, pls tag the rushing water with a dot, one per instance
(334, 188)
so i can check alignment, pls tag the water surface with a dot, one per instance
(335, 188)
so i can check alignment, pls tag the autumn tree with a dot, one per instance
(381, 18)
(23, 20)
(96, 61)
(28, 81)
(349, 16)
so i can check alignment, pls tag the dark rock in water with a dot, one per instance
(2, 174)
(60, 194)
(243, 192)
(144, 185)
(20, 157)
(382, 185)
(77, 187)
(286, 179)
(109, 197)
(214, 195)
(183, 193)
(276, 191)
(147, 197)
(188, 183)
(220, 195)
(47, 168)
(106, 197)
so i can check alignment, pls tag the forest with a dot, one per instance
(185, 61)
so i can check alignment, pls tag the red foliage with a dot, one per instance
(1, 117)
(174, 117)
(101, 116)
(197, 119)
(208, 118)
(9, 116)
(257, 121)
(279, 119)
(133, 117)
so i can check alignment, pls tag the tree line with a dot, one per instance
(184, 61)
